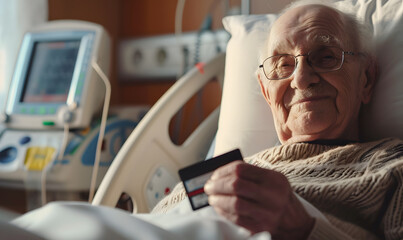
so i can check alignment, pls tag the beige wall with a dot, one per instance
(268, 6)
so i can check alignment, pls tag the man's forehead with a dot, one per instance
(280, 43)
(307, 25)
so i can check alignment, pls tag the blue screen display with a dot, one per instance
(50, 71)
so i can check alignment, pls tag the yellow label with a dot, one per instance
(38, 157)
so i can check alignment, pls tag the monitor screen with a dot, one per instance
(50, 71)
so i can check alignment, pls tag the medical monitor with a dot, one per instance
(54, 82)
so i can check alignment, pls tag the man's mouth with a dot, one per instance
(306, 100)
(310, 99)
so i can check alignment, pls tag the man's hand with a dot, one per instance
(259, 200)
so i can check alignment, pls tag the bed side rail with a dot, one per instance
(149, 156)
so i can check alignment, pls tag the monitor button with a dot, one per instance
(38, 157)
(48, 123)
(52, 110)
(8, 155)
(25, 140)
(42, 110)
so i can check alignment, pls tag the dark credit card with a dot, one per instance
(195, 176)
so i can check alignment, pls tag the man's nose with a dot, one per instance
(304, 75)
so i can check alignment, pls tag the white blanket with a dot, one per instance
(78, 220)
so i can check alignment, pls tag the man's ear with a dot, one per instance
(263, 88)
(371, 74)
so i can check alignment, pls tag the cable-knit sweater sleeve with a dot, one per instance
(324, 230)
(392, 221)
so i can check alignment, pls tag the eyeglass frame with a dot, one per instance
(309, 63)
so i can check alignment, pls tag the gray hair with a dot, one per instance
(357, 28)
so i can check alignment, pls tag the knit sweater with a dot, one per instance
(357, 186)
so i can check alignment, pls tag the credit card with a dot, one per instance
(195, 176)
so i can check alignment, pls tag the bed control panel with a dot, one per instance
(160, 184)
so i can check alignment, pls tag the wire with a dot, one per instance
(206, 26)
(105, 79)
(178, 16)
(245, 7)
(43, 179)
(66, 130)
(178, 32)
(180, 5)
(49, 165)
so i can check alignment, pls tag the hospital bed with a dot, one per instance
(155, 157)
(149, 158)
(148, 162)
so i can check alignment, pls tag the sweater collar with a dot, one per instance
(332, 142)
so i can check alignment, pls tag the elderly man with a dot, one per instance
(316, 75)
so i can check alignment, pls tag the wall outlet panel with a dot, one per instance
(168, 56)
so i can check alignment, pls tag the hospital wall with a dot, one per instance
(127, 19)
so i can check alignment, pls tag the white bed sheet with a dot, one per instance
(79, 220)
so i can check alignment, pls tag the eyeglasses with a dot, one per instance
(324, 59)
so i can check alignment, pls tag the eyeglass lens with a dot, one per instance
(324, 59)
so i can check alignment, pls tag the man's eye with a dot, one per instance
(324, 60)
(285, 65)
(328, 57)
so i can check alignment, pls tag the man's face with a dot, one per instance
(308, 106)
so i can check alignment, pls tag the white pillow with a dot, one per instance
(246, 120)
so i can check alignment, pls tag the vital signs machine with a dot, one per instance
(52, 117)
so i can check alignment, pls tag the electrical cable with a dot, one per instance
(105, 109)
(180, 5)
(47, 168)
(178, 31)
(63, 146)
(205, 27)
(66, 130)
(44, 173)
